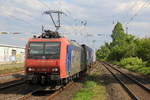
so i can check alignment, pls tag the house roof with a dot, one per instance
(4, 45)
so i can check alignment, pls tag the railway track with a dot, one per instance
(8, 74)
(10, 77)
(48, 97)
(135, 89)
(21, 81)
(28, 92)
(28, 95)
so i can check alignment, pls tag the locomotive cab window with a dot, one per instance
(44, 50)
(52, 50)
(36, 48)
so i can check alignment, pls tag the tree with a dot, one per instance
(122, 45)
(143, 49)
(103, 52)
(118, 34)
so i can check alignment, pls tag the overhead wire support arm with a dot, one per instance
(57, 23)
(59, 19)
(53, 20)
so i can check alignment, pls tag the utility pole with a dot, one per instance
(126, 29)
(42, 28)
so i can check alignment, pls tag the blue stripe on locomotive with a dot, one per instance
(90, 55)
(73, 65)
(76, 58)
(68, 59)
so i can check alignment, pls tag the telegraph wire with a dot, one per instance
(136, 13)
(23, 13)
(134, 5)
(19, 19)
(69, 14)
(60, 5)
(16, 18)
(44, 4)
(24, 21)
(131, 8)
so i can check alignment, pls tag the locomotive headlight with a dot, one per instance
(31, 69)
(55, 69)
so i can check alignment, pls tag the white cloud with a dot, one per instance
(139, 28)
(98, 13)
(132, 6)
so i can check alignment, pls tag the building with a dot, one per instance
(10, 54)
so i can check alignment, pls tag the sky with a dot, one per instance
(27, 18)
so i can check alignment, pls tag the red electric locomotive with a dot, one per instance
(51, 59)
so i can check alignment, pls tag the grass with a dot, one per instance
(93, 89)
(11, 68)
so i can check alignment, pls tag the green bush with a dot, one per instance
(132, 61)
(135, 64)
(144, 70)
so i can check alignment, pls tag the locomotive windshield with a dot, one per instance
(36, 48)
(44, 50)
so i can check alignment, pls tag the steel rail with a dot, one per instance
(58, 92)
(9, 74)
(13, 84)
(28, 95)
(129, 91)
(134, 80)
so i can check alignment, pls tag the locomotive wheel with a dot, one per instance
(29, 82)
(43, 80)
(65, 81)
(35, 80)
